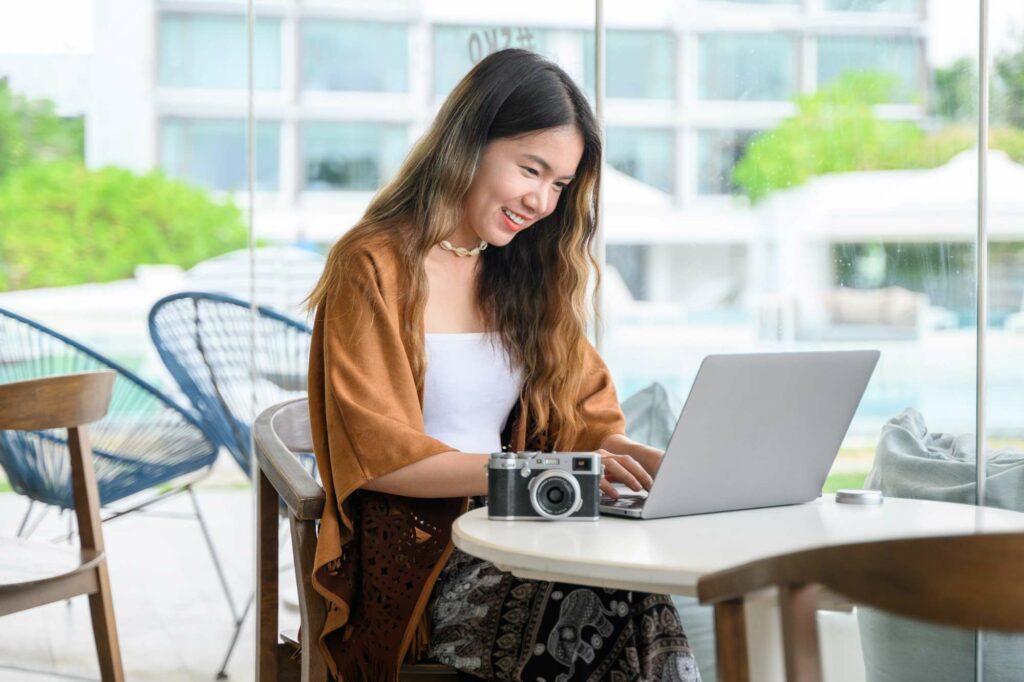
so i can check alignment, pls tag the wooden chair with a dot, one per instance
(967, 581)
(280, 432)
(35, 573)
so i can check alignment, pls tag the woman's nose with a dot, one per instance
(537, 202)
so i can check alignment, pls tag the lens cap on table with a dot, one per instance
(859, 496)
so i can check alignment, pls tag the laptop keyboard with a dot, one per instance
(624, 502)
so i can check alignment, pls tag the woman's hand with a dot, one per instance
(629, 462)
(623, 469)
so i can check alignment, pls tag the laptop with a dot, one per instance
(757, 430)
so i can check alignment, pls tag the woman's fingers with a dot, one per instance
(608, 489)
(625, 469)
(634, 467)
(615, 471)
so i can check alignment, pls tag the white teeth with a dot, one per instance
(513, 217)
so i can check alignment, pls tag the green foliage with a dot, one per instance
(62, 224)
(1009, 140)
(1009, 70)
(956, 91)
(844, 481)
(834, 130)
(955, 94)
(30, 130)
(939, 147)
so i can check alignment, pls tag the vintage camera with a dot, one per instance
(533, 486)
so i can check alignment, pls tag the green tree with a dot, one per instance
(956, 89)
(955, 95)
(1009, 71)
(31, 130)
(834, 130)
(62, 224)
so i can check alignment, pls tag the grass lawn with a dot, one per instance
(844, 480)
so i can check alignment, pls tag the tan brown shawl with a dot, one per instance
(377, 555)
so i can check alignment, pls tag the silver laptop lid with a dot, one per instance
(759, 430)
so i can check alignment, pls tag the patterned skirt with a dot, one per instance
(494, 626)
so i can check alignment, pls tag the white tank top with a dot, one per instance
(468, 391)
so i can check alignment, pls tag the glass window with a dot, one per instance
(641, 64)
(746, 66)
(896, 6)
(355, 55)
(898, 57)
(458, 48)
(351, 156)
(763, 2)
(212, 152)
(630, 261)
(210, 51)
(643, 153)
(718, 152)
(944, 272)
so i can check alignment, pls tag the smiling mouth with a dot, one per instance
(514, 217)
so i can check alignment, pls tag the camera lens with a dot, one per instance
(555, 497)
(555, 494)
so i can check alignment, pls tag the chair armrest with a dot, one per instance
(281, 431)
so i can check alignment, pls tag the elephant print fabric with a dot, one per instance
(488, 624)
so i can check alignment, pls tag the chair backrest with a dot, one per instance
(144, 439)
(69, 401)
(63, 401)
(206, 339)
(921, 578)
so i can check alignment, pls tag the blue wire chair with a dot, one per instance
(205, 340)
(145, 440)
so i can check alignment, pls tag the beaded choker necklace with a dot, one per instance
(462, 251)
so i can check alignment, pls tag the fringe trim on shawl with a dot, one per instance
(417, 635)
(420, 645)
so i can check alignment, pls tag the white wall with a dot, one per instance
(122, 121)
(698, 275)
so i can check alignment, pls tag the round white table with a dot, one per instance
(670, 555)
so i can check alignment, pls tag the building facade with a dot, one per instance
(343, 87)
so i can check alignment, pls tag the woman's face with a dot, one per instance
(518, 182)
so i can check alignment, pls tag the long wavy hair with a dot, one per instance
(532, 292)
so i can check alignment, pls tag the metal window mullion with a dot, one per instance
(599, 94)
(982, 257)
(981, 287)
(251, 188)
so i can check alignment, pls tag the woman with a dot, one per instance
(450, 323)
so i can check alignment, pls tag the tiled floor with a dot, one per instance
(173, 619)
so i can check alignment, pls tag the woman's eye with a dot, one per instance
(531, 171)
(560, 186)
